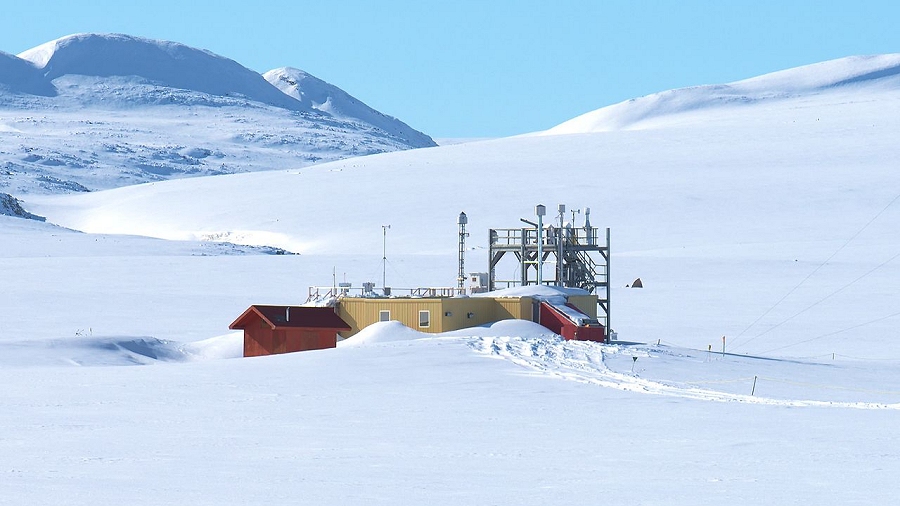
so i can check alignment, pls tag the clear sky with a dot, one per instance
(467, 68)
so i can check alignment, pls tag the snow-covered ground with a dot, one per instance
(769, 220)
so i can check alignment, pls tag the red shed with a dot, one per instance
(556, 319)
(283, 329)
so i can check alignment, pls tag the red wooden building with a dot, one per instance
(283, 329)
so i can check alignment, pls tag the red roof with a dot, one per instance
(291, 317)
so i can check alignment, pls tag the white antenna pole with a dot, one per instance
(461, 277)
(384, 229)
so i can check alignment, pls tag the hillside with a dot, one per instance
(315, 93)
(859, 75)
(89, 111)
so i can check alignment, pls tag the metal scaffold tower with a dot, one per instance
(580, 257)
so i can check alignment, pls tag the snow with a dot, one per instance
(867, 73)
(98, 111)
(771, 223)
(20, 76)
(321, 96)
(162, 63)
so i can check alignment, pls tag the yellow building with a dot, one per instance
(443, 314)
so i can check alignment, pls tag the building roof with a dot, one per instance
(280, 317)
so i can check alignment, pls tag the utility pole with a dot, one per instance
(384, 229)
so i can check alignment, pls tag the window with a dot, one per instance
(425, 318)
(384, 315)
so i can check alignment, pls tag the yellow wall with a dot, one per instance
(481, 309)
(359, 313)
(586, 303)
(446, 313)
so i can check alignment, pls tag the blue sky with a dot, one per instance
(488, 68)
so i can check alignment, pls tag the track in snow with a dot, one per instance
(585, 362)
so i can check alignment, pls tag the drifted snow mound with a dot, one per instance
(161, 63)
(315, 93)
(878, 73)
(230, 345)
(89, 352)
(21, 76)
(522, 329)
(383, 332)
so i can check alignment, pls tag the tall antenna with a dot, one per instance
(461, 277)
(384, 229)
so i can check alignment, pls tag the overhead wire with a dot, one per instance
(819, 267)
(823, 299)
(833, 333)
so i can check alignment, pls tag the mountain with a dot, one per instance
(161, 63)
(703, 103)
(89, 112)
(20, 76)
(315, 93)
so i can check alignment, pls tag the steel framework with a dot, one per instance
(582, 261)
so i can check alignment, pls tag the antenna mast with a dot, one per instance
(461, 277)
(384, 229)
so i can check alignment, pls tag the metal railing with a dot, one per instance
(320, 293)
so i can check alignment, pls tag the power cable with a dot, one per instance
(832, 333)
(811, 274)
(823, 299)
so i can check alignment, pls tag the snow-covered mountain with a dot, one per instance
(317, 94)
(859, 74)
(92, 111)
(20, 76)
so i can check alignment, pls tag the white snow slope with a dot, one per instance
(93, 111)
(771, 223)
(317, 94)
